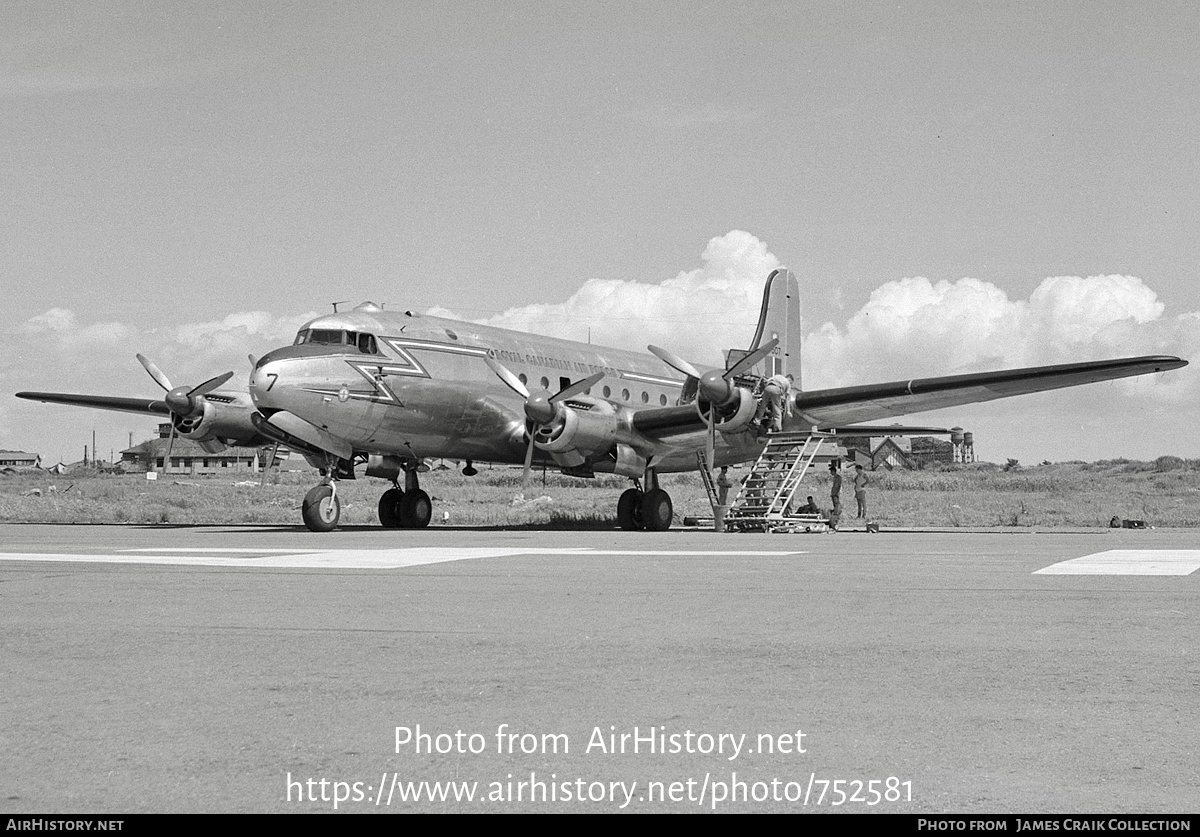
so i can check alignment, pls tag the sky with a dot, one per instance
(958, 186)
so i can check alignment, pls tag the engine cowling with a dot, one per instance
(733, 416)
(588, 431)
(218, 422)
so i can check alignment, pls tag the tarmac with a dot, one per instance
(269, 669)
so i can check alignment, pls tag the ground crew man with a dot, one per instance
(860, 489)
(777, 400)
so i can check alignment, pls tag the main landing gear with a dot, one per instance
(407, 509)
(650, 510)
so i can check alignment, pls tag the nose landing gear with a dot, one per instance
(321, 509)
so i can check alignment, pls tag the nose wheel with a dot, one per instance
(321, 509)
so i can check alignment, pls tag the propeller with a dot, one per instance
(714, 386)
(183, 401)
(541, 408)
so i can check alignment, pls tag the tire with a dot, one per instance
(321, 509)
(629, 510)
(415, 509)
(657, 511)
(389, 508)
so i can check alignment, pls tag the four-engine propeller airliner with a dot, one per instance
(386, 391)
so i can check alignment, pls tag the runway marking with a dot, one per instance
(1129, 562)
(347, 559)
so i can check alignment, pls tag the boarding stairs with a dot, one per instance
(766, 494)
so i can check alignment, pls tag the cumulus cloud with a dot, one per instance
(73, 353)
(913, 327)
(63, 327)
(909, 327)
(698, 313)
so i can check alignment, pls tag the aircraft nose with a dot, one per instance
(262, 381)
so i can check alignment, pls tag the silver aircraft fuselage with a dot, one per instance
(418, 387)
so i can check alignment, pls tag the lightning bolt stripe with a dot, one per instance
(406, 364)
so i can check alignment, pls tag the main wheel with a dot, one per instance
(657, 511)
(629, 510)
(321, 509)
(389, 508)
(415, 509)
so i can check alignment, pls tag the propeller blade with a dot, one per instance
(209, 385)
(253, 361)
(155, 373)
(528, 464)
(577, 387)
(751, 359)
(674, 361)
(505, 374)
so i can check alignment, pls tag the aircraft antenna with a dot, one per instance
(339, 302)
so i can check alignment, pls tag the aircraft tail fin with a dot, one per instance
(780, 317)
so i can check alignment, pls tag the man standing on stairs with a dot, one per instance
(777, 398)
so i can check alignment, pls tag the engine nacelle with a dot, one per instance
(590, 431)
(734, 416)
(219, 421)
(199, 426)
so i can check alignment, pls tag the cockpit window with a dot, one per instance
(326, 336)
(365, 343)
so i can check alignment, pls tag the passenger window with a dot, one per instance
(607, 392)
(645, 397)
(662, 400)
(624, 395)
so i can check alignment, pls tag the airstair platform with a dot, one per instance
(762, 503)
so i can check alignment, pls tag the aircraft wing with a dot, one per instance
(101, 402)
(850, 405)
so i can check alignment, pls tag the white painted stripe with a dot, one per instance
(348, 559)
(1129, 562)
(252, 550)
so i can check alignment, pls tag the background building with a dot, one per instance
(187, 457)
